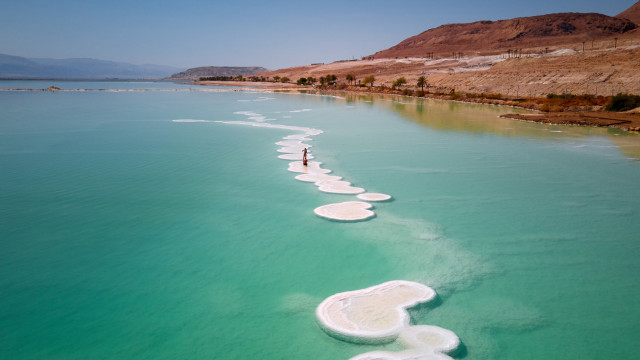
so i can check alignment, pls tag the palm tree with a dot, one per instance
(350, 78)
(369, 80)
(422, 82)
(399, 82)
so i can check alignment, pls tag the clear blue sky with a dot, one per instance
(273, 34)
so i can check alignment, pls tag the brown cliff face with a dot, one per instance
(486, 37)
(632, 13)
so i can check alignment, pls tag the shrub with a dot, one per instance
(623, 102)
(495, 96)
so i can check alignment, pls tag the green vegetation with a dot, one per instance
(217, 78)
(302, 81)
(285, 79)
(623, 102)
(399, 82)
(350, 78)
(369, 80)
(422, 82)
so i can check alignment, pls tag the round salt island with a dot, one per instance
(373, 315)
(313, 167)
(430, 337)
(374, 197)
(424, 342)
(338, 187)
(346, 211)
(317, 177)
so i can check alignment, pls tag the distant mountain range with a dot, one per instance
(206, 71)
(17, 67)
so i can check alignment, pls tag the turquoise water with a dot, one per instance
(127, 235)
(93, 85)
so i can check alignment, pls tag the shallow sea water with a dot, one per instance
(127, 235)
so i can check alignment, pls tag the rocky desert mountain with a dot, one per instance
(491, 37)
(527, 56)
(204, 71)
(632, 13)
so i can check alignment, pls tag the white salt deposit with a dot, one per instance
(313, 167)
(189, 121)
(346, 211)
(317, 177)
(293, 156)
(374, 197)
(307, 131)
(292, 146)
(373, 315)
(338, 187)
(430, 337)
(425, 342)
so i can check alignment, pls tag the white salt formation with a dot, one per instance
(313, 167)
(314, 178)
(292, 146)
(425, 342)
(373, 315)
(293, 156)
(374, 197)
(430, 337)
(307, 131)
(338, 187)
(345, 211)
(291, 149)
(190, 121)
(301, 137)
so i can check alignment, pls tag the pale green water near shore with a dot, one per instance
(126, 235)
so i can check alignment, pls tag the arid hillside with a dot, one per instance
(490, 37)
(557, 53)
(632, 13)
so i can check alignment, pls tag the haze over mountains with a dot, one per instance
(204, 71)
(17, 67)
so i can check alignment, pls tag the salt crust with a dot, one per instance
(425, 342)
(292, 156)
(373, 315)
(317, 177)
(338, 187)
(306, 130)
(190, 121)
(301, 137)
(345, 211)
(313, 167)
(374, 197)
(293, 143)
